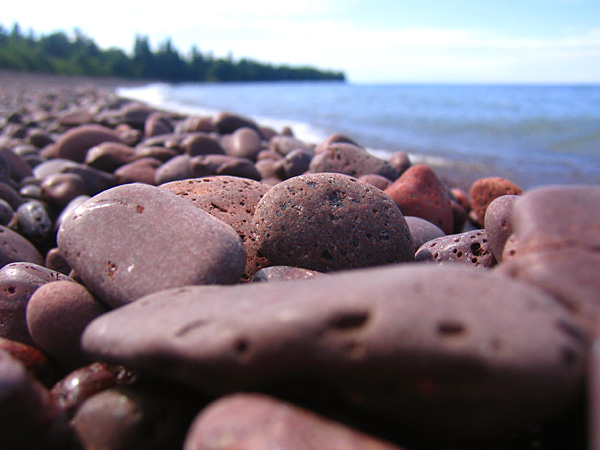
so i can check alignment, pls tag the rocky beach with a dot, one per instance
(207, 282)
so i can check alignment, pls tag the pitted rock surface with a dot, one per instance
(136, 239)
(330, 222)
(425, 347)
(419, 192)
(351, 160)
(471, 249)
(231, 199)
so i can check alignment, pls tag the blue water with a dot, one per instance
(533, 135)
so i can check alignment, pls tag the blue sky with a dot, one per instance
(526, 41)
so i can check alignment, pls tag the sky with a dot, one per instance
(372, 41)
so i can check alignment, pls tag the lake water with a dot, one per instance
(533, 135)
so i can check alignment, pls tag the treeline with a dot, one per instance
(58, 53)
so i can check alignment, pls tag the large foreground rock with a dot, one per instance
(136, 239)
(453, 352)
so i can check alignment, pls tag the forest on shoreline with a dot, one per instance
(57, 53)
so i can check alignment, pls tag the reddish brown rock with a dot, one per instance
(34, 360)
(335, 138)
(75, 143)
(158, 123)
(230, 199)
(227, 123)
(485, 190)
(255, 422)
(201, 144)
(245, 143)
(15, 248)
(330, 222)
(419, 192)
(380, 182)
(141, 170)
(400, 161)
(59, 189)
(109, 156)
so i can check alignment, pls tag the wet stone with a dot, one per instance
(79, 385)
(330, 222)
(471, 249)
(433, 358)
(284, 273)
(123, 244)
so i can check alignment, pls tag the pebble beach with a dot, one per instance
(172, 281)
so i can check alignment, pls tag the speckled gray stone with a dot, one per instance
(471, 248)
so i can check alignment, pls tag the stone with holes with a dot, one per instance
(486, 190)
(470, 249)
(423, 346)
(253, 422)
(136, 239)
(231, 199)
(330, 222)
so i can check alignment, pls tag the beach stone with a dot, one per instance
(232, 200)
(485, 190)
(15, 248)
(351, 160)
(34, 360)
(51, 167)
(510, 248)
(202, 144)
(76, 118)
(283, 144)
(10, 195)
(267, 169)
(6, 213)
(293, 164)
(163, 154)
(227, 123)
(18, 167)
(400, 161)
(245, 143)
(558, 240)
(498, 225)
(194, 124)
(330, 222)
(284, 273)
(30, 191)
(18, 282)
(223, 165)
(55, 261)
(380, 182)
(133, 417)
(34, 221)
(134, 249)
(471, 248)
(335, 138)
(95, 180)
(459, 217)
(419, 192)
(432, 359)
(109, 156)
(157, 123)
(60, 188)
(39, 138)
(75, 143)
(29, 420)
(56, 315)
(141, 170)
(81, 384)
(133, 114)
(70, 206)
(422, 231)
(177, 168)
(254, 422)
